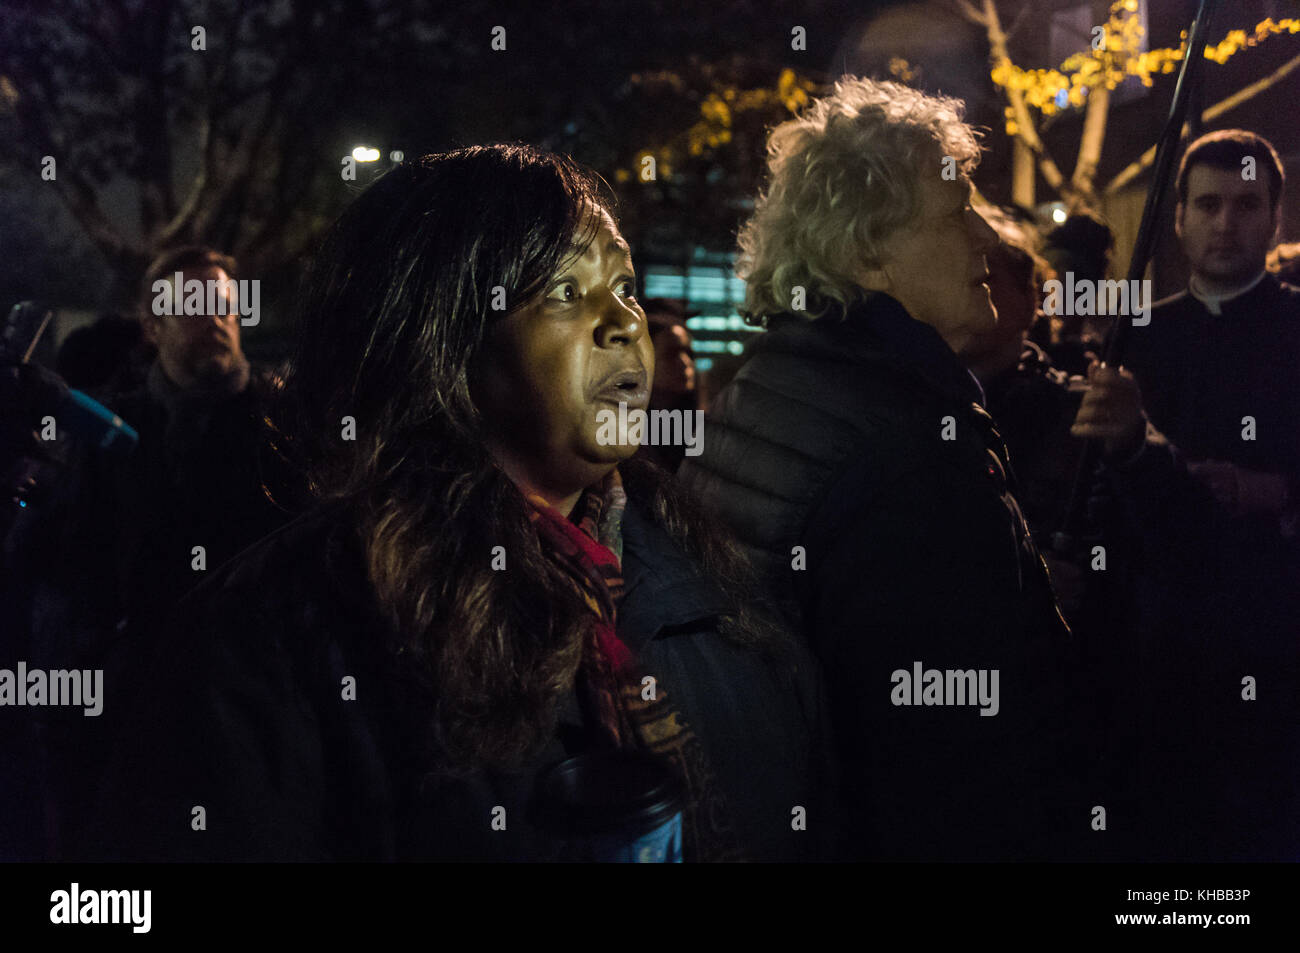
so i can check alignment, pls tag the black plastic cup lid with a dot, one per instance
(625, 790)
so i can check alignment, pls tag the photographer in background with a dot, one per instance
(108, 543)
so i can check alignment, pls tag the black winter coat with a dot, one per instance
(1218, 590)
(112, 548)
(855, 462)
(243, 715)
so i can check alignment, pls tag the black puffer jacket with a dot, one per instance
(241, 711)
(861, 447)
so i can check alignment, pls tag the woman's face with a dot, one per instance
(935, 267)
(552, 366)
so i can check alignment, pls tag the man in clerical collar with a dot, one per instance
(1201, 436)
(1229, 198)
(1213, 364)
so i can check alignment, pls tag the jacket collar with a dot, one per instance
(665, 588)
(877, 326)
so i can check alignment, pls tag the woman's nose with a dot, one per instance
(620, 324)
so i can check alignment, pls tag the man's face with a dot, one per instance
(1015, 297)
(1226, 224)
(936, 268)
(549, 368)
(674, 365)
(198, 348)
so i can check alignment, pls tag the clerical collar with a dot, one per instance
(1213, 303)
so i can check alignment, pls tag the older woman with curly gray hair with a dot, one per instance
(854, 459)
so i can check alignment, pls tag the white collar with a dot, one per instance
(1213, 303)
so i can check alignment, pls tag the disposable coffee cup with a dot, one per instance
(615, 807)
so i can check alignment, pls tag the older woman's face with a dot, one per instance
(552, 366)
(935, 267)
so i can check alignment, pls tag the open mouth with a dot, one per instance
(628, 386)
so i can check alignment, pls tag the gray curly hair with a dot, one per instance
(844, 176)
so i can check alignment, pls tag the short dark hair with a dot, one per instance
(1081, 244)
(185, 258)
(1224, 150)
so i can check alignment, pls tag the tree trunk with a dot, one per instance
(1094, 134)
(1023, 175)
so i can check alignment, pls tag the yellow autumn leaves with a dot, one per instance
(1117, 57)
(719, 112)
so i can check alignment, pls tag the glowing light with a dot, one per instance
(365, 154)
(1058, 215)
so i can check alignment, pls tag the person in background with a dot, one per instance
(195, 479)
(1081, 246)
(674, 387)
(854, 459)
(1200, 439)
(1028, 397)
(1034, 405)
(91, 357)
(112, 543)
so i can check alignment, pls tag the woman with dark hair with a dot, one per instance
(484, 586)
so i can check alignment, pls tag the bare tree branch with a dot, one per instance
(1134, 169)
(76, 193)
(1025, 130)
(968, 11)
(1094, 134)
(1021, 18)
(157, 198)
(201, 188)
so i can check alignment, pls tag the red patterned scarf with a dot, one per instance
(589, 545)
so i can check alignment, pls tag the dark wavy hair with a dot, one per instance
(395, 312)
